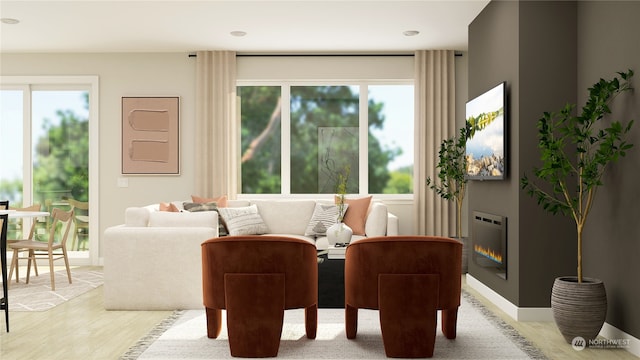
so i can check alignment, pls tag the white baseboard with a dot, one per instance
(630, 343)
(517, 313)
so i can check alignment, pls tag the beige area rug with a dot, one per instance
(481, 335)
(37, 294)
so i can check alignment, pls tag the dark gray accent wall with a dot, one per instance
(608, 42)
(550, 53)
(531, 46)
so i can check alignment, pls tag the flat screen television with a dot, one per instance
(486, 144)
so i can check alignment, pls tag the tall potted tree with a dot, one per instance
(452, 186)
(575, 151)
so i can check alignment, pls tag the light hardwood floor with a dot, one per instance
(82, 329)
(546, 337)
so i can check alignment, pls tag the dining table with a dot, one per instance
(15, 214)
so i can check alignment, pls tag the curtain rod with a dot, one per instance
(319, 55)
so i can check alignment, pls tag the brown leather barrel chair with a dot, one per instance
(256, 278)
(406, 278)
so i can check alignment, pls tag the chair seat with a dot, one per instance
(83, 218)
(33, 245)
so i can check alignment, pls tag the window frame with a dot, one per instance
(285, 128)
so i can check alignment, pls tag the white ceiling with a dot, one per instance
(271, 26)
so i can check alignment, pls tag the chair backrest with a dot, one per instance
(4, 205)
(60, 216)
(366, 259)
(80, 205)
(34, 207)
(295, 258)
(3, 227)
(4, 219)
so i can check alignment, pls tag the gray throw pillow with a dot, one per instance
(211, 206)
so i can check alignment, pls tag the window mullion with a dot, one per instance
(363, 143)
(285, 128)
(27, 148)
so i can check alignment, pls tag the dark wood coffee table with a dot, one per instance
(330, 281)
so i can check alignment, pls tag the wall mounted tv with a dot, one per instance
(486, 144)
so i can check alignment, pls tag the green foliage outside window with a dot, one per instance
(313, 110)
(62, 158)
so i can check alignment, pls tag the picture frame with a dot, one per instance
(150, 135)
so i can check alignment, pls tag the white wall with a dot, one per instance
(162, 74)
(158, 74)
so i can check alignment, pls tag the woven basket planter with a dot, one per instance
(579, 309)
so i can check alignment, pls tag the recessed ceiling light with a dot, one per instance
(9, 21)
(238, 33)
(411, 32)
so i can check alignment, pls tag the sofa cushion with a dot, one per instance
(376, 224)
(183, 219)
(136, 216)
(210, 206)
(243, 220)
(238, 203)
(221, 201)
(286, 216)
(324, 215)
(356, 214)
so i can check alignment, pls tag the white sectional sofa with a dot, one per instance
(153, 260)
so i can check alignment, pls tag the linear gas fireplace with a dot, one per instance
(489, 242)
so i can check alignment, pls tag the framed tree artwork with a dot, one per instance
(150, 136)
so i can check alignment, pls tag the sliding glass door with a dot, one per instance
(45, 147)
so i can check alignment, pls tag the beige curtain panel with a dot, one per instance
(434, 122)
(217, 125)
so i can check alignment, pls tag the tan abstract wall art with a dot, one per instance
(150, 135)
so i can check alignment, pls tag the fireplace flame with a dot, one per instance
(488, 253)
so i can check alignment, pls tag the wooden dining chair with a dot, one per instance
(51, 250)
(4, 205)
(4, 302)
(34, 207)
(81, 222)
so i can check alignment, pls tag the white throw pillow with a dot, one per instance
(286, 216)
(324, 215)
(243, 221)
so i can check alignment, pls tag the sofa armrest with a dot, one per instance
(153, 268)
(380, 222)
(392, 224)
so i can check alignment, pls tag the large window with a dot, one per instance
(298, 138)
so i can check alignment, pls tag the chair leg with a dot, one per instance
(66, 263)
(51, 273)
(449, 322)
(31, 257)
(408, 314)
(255, 313)
(35, 263)
(4, 302)
(214, 322)
(14, 265)
(311, 321)
(351, 321)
